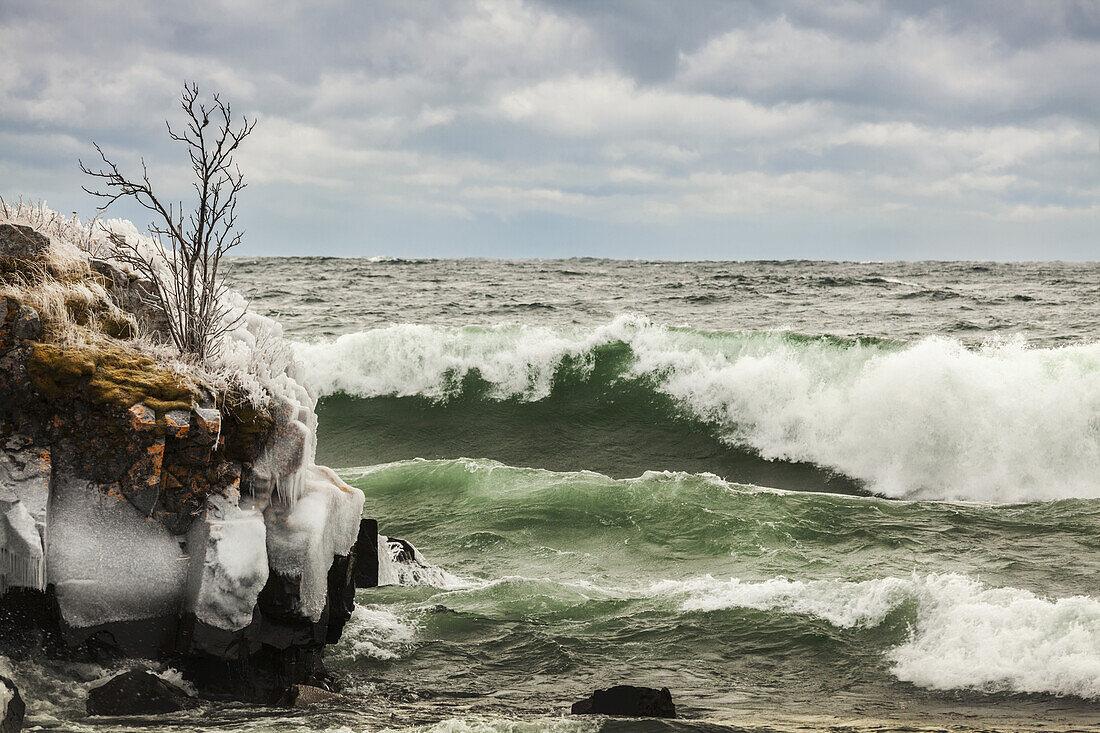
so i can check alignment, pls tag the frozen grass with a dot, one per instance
(88, 339)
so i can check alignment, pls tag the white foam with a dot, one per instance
(374, 632)
(417, 572)
(966, 635)
(476, 724)
(929, 420)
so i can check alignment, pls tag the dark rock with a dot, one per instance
(365, 551)
(11, 715)
(627, 700)
(137, 692)
(134, 295)
(177, 423)
(403, 551)
(208, 426)
(29, 621)
(142, 418)
(303, 696)
(278, 649)
(27, 324)
(109, 270)
(23, 243)
(341, 595)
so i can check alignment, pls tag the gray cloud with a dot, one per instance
(641, 128)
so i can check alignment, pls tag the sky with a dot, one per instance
(680, 129)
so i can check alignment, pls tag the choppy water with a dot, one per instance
(804, 496)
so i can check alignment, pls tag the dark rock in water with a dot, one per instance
(29, 621)
(341, 595)
(303, 696)
(402, 551)
(22, 243)
(11, 712)
(627, 700)
(366, 554)
(137, 692)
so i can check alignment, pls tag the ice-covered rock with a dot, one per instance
(303, 537)
(106, 561)
(22, 242)
(156, 506)
(229, 564)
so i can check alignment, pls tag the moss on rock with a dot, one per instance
(111, 375)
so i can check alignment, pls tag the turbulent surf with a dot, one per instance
(801, 495)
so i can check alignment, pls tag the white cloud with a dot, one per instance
(611, 106)
(494, 108)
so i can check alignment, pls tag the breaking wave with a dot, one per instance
(964, 635)
(931, 419)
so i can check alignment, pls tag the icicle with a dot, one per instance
(18, 570)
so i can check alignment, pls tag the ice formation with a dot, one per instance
(24, 490)
(109, 562)
(106, 561)
(228, 564)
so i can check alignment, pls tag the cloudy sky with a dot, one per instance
(625, 128)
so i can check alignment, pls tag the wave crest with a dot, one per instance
(926, 420)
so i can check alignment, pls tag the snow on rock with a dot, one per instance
(228, 563)
(106, 561)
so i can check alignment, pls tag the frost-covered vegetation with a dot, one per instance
(86, 333)
(78, 309)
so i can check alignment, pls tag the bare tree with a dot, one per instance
(184, 269)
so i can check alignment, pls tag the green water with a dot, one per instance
(737, 598)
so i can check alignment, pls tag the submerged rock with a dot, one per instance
(12, 707)
(137, 692)
(629, 701)
(304, 696)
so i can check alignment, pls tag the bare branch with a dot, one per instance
(186, 284)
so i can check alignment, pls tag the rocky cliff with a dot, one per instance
(154, 507)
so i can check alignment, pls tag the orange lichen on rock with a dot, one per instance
(142, 418)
